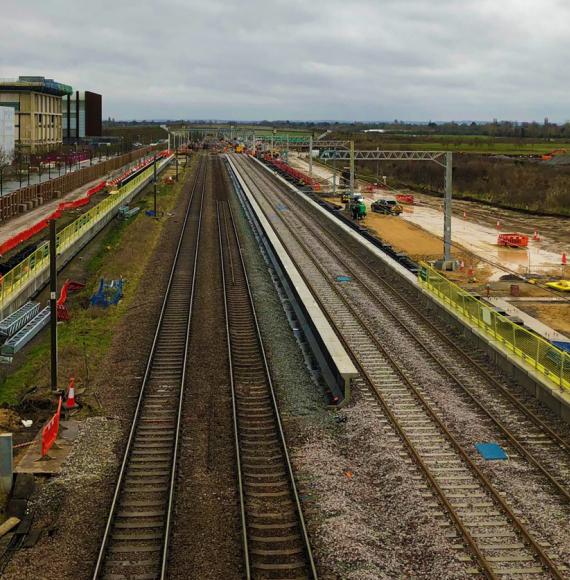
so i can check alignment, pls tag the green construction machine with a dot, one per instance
(357, 209)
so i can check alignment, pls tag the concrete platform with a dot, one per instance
(336, 365)
(529, 321)
(32, 463)
(41, 275)
(550, 394)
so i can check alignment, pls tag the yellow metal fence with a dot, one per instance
(36, 262)
(547, 359)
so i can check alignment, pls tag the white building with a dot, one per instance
(7, 122)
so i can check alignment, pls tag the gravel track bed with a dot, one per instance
(374, 524)
(521, 483)
(207, 535)
(74, 525)
(68, 547)
(529, 490)
(532, 496)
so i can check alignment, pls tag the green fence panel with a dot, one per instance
(536, 351)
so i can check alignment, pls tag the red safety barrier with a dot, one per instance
(513, 240)
(50, 431)
(69, 286)
(405, 198)
(16, 240)
(143, 164)
(296, 174)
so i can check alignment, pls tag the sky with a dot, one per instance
(356, 60)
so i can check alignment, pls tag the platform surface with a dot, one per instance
(529, 321)
(31, 462)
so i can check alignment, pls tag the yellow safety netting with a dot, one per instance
(38, 261)
(547, 359)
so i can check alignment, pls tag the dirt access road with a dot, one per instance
(474, 228)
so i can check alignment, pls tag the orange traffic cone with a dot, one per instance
(498, 225)
(464, 215)
(564, 260)
(70, 400)
(536, 237)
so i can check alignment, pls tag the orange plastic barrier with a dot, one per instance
(405, 198)
(16, 240)
(513, 240)
(144, 163)
(296, 174)
(69, 286)
(50, 431)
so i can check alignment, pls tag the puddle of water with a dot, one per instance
(477, 238)
(482, 241)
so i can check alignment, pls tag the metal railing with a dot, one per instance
(37, 261)
(22, 200)
(536, 351)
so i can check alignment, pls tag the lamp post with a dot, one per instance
(334, 174)
(53, 302)
(154, 188)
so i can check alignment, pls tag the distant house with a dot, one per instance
(374, 131)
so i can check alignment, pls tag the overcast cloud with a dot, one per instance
(310, 59)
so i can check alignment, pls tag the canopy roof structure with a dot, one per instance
(36, 84)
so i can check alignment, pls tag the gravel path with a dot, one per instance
(67, 507)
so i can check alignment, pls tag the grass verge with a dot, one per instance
(123, 251)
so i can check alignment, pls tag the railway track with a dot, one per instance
(516, 417)
(498, 541)
(136, 537)
(275, 539)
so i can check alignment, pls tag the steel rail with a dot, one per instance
(247, 563)
(523, 531)
(172, 489)
(432, 326)
(422, 345)
(282, 439)
(199, 182)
